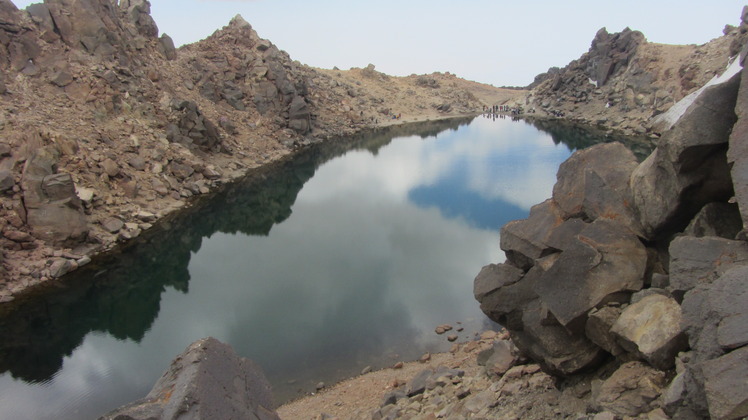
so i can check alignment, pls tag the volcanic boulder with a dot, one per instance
(207, 381)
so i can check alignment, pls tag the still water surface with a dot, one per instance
(345, 257)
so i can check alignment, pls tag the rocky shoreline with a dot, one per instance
(623, 296)
(101, 136)
(641, 266)
(611, 312)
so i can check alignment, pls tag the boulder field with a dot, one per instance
(641, 265)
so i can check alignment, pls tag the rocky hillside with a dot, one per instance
(624, 81)
(641, 267)
(105, 127)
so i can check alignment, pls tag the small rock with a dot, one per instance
(146, 216)
(18, 236)
(425, 358)
(211, 172)
(61, 78)
(366, 370)
(488, 335)
(86, 195)
(112, 224)
(110, 167)
(605, 415)
(159, 187)
(452, 337)
(83, 260)
(462, 393)
(137, 163)
(398, 365)
(6, 180)
(652, 329)
(181, 171)
(60, 267)
(131, 188)
(319, 386)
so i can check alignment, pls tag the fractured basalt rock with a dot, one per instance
(689, 167)
(207, 381)
(652, 329)
(53, 209)
(603, 260)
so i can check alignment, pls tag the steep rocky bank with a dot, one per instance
(640, 267)
(105, 127)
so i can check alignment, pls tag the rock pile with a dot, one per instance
(623, 81)
(625, 264)
(510, 387)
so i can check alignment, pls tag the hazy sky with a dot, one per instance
(498, 42)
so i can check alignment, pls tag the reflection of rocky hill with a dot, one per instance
(578, 137)
(120, 293)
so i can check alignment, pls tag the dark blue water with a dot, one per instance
(347, 256)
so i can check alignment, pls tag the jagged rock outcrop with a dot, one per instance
(575, 266)
(624, 81)
(253, 70)
(207, 381)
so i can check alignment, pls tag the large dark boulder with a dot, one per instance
(39, 13)
(299, 117)
(193, 127)
(714, 317)
(604, 262)
(207, 381)
(166, 46)
(594, 183)
(9, 16)
(551, 345)
(716, 219)
(503, 292)
(524, 241)
(695, 261)
(53, 210)
(726, 390)
(689, 167)
(738, 153)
